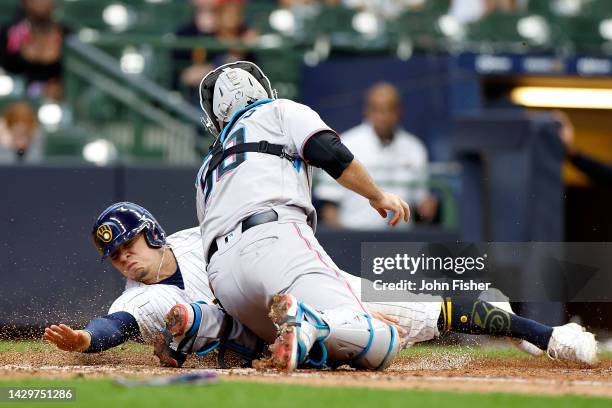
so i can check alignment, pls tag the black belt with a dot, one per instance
(249, 222)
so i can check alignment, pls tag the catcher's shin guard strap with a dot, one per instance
(305, 310)
(317, 356)
(206, 331)
(197, 320)
(208, 349)
(367, 347)
(359, 340)
(385, 362)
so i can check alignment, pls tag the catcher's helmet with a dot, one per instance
(123, 221)
(230, 88)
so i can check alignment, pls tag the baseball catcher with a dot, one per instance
(264, 263)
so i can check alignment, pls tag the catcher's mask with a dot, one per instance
(207, 91)
(121, 222)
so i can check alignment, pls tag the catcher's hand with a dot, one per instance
(392, 202)
(67, 339)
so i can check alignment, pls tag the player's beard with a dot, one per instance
(141, 274)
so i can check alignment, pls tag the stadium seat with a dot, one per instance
(161, 18)
(8, 11)
(419, 26)
(83, 14)
(66, 143)
(257, 15)
(499, 31)
(581, 34)
(335, 22)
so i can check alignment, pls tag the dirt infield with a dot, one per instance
(437, 371)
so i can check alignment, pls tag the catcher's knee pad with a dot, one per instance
(359, 340)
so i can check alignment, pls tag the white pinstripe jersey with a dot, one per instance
(149, 303)
(248, 183)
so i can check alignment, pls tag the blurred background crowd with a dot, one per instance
(491, 117)
(70, 71)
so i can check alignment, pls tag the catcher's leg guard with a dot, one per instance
(360, 340)
(201, 328)
(340, 336)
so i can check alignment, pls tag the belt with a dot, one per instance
(247, 223)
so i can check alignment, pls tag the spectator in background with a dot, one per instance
(222, 20)
(396, 159)
(295, 3)
(470, 11)
(193, 64)
(386, 8)
(232, 26)
(20, 140)
(32, 46)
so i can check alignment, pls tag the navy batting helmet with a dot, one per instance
(123, 221)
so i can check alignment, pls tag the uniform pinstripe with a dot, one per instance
(149, 303)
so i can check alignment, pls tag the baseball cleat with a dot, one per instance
(167, 356)
(285, 349)
(179, 319)
(571, 342)
(283, 308)
(296, 336)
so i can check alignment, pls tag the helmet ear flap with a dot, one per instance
(155, 235)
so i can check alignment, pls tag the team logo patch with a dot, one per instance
(105, 233)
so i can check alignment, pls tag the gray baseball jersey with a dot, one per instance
(249, 183)
(249, 267)
(149, 303)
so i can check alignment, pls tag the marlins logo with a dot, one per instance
(105, 233)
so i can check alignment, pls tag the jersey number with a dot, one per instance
(229, 164)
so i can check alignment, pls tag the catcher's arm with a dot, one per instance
(356, 178)
(326, 151)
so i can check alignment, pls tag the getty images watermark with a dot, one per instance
(522, 271)
(412, 264)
